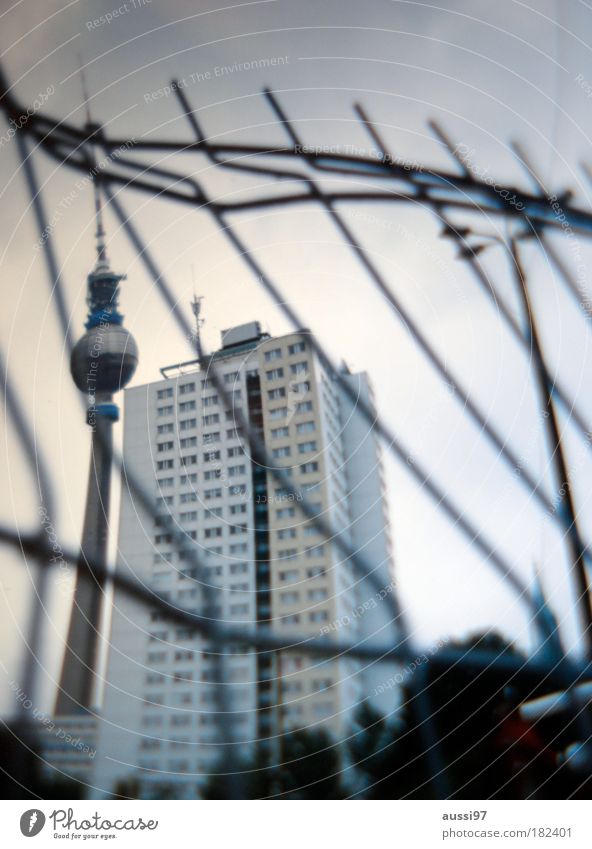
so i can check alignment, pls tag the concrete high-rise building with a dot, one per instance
(267, 564)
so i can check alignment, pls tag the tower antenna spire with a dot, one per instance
(102, 259)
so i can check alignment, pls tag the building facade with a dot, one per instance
(173, 700)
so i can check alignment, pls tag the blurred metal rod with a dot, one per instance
(545, 389)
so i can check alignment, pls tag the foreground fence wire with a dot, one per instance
(361, 179)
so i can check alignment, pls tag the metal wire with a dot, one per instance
(436, 191)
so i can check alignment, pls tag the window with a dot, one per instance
(186, 406)
(278, 413)
(212, 474)
(315, 551)
(280, 432)
(163, 558)
(286, 533)
(239, 548)
(300, 388)
(239, 609)
(188, 516)
(210, 401)
(186, 388)
(162, 521)
(316, 572)
(164, 499)
(212, 532)
(190, 478)
(211, 455)
(273, 354)
(310, 531)
(212, 512)
(184, 654)
(308, 468)
(165, 428)
(274, 394)
(165, 411)
(180, 676)
(304, 407)
(188, 442)
(274, 373)
(289, 575)
(318, 616)
(164, 393)
(238, 489)
(231, 376)
(288, 554)
(164, 483)
(305, 427)
(159, 539)
(306, 447)
(299, 368)
(151, 721)
(187, 424)
(238, 568)
(238, 508)
(186, 497)
(293, 619)
(234, 433)
(212, 493)
(289, 597)
(165, 446)
(317, 595)
(281, 452)
(211, 419)
(211, 437)
(164, 464)
(188, 460)
(238, 529)
(234, 471)
(207, 384)
(297, 348)
(235, 451)
(284, 512)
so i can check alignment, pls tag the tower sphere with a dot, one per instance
(104, 359)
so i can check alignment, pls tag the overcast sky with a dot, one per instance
(490, 73)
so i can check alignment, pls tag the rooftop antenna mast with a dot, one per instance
(199, 321)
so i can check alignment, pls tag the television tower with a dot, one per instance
(103, 361)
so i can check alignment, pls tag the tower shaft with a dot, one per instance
(78, 677)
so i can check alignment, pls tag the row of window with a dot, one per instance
(294, 553)
(191, 477)
(282, 412)
(291, 575)
(206, 401)
(208, 474)
(293, 596)
(187, 388)
(191, 424)
(313, 616)
(295, 368)
(298, 388)
(286, 451)
(276, 353)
